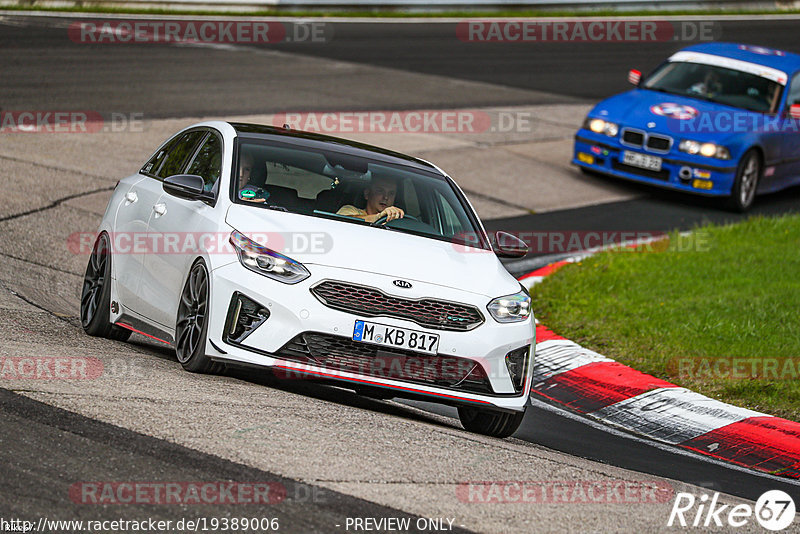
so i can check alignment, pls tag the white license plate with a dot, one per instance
(643, 161)
(401, 338)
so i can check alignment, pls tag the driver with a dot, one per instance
(380, 196)
(710, 85)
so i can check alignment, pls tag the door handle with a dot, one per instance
(160, 209)
(131, 197)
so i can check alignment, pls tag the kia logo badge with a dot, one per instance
(402, 283)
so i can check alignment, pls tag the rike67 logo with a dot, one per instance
(774, 510)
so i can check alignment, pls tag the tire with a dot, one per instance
(490, 423)
(748, 174)
(96, 294)
(191, 325)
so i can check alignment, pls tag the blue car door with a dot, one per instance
(790, 153)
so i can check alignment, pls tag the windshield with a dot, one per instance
(335, 185)
(717, 84)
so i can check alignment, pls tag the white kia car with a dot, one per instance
(320, 258)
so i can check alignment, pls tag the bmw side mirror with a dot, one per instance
(634, 77)
(509, 246)
(188, 186)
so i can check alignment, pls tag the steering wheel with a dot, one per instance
(382, 220)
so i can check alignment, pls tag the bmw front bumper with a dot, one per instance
(679, 171)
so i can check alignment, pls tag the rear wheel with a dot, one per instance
(191, 327)
(96, 294)
(489, 422)
(748, 174)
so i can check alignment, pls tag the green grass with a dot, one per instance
(399, 13)
(734, 292)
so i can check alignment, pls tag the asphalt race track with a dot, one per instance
(337, 455)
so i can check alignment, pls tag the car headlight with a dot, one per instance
(511, 308)
(709, 150)
(267, 262)
(601, 126)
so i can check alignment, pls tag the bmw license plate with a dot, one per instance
(643, 161)
(392, 336)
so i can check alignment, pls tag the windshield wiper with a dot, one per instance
(276, 207)
(338, 217)
(661, 90)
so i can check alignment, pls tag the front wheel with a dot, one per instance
(489, 422)
(191, 327)
(748, 174)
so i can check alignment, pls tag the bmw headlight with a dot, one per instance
(511, 308)
(709, 150)
(267, 262)
(601, 126)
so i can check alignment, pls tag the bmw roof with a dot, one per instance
(787, 62)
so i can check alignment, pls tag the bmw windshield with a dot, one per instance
(717, 84)
(335, 185)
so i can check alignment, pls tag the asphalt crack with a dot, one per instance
(32, 262)
(69, 319)
(55, 204)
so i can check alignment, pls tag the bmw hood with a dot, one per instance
(317, 241)
(674, 115)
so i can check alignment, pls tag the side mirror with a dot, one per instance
(509, 246)
(188, 186)
(794, 111)
(634, 77)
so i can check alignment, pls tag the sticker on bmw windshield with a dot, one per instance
(674, 111)
(761, 50)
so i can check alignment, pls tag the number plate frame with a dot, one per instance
(643, 161)
(413, 340)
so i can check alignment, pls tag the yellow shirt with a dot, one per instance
(351, 211)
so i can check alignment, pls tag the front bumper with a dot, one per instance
(294, 311)
(679, 171)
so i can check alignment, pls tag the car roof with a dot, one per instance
(315, 140)
(787, 62)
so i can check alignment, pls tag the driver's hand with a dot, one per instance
(391, 213)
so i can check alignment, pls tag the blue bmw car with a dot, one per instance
(716, 119)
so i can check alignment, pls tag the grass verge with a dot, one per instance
(717, 312)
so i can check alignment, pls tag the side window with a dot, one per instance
(208, 161)
(794, 91)
(179, 154)
(155, 162)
